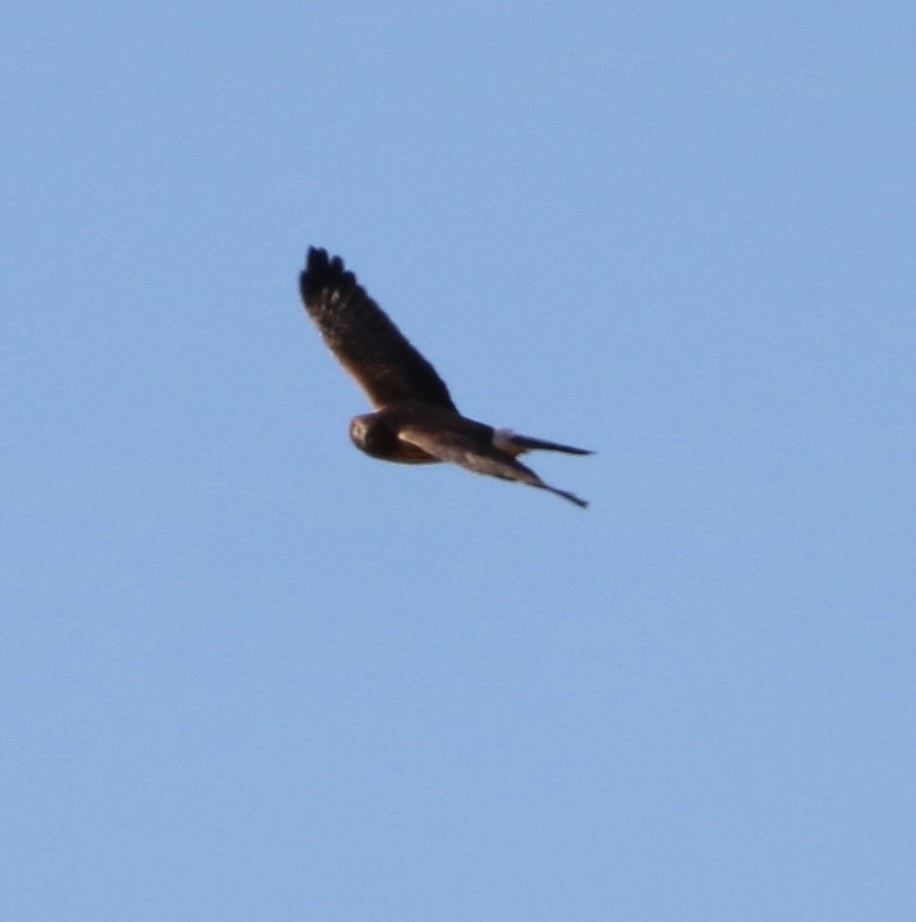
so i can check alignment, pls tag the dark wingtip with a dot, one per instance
(581, 503)
(316, 260)
(321, 271)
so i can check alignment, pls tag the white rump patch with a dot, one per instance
(502, 439)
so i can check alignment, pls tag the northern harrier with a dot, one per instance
(415, 420)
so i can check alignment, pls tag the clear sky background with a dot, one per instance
(247, 672)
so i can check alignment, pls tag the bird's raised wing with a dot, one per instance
(385, 365)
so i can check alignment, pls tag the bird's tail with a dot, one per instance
(509, 442)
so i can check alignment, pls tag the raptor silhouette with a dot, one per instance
(415, 419)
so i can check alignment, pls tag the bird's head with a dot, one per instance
(370, 433)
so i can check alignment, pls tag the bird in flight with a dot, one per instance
(415, 420)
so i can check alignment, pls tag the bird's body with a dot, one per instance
(415, 420)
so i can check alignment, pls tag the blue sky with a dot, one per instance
(247, 672)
